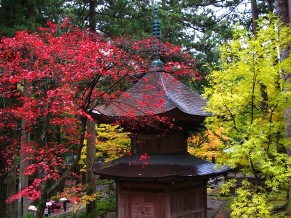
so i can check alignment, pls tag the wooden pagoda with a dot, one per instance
(159, 178)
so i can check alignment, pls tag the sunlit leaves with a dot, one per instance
(247, 101)
(250, 203)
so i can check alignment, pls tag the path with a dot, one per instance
(71, 209)
(217, 208)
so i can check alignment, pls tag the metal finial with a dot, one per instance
(157, 64)
(156, 32)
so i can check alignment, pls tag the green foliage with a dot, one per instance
(28, 215)
(123, 17)
(277, 199)
(250, 203)
(106, 204)
(28, 15)
(106, 201)
(225, 187)
(247, 100)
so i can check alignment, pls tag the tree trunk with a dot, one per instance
(3, 184)
(283, 10)
(25, 138)
(11, 212)
(255, 16)
(92, 11)
(11, 190)
(90, 160)
(42, 200)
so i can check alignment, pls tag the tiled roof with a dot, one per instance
(156, 93)
(160, 167)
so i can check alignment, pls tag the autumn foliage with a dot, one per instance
(247, 98)
(207, 144)
(59, 69)
(50, 81)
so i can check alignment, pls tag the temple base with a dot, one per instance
(185, 199)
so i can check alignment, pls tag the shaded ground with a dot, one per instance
(217, 207)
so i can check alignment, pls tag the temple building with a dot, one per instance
(158, 178)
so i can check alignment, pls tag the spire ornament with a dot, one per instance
(157, 64)
(157, 35)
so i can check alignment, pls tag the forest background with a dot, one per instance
(198, 27)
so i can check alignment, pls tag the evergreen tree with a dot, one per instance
(28, 14)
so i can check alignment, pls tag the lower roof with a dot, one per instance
(160, 167)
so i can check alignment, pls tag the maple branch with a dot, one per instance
(270, 121)
(254, 170)
(232, 117)
(89, 95)
(103, 93)
(253, 90)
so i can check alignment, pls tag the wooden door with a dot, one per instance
(142, 206)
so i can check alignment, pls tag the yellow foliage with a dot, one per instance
(250, 203)
(111, 142)
(247, 98)
(87, 199)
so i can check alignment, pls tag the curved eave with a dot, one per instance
(173, 113)
(175, 118)
(159, 179)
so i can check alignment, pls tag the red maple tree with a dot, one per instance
(50, 81)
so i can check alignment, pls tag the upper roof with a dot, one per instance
(156, 93)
